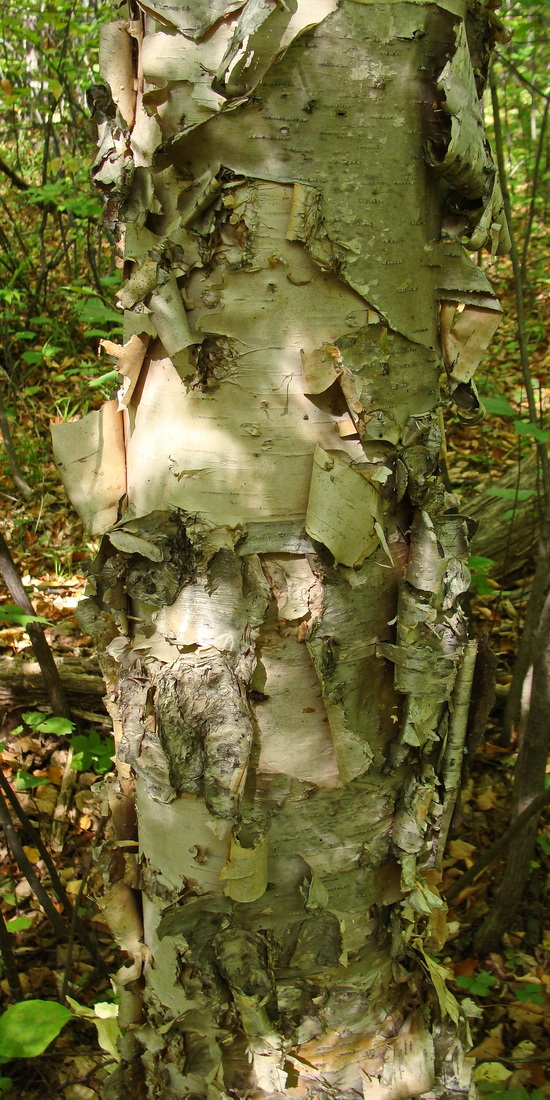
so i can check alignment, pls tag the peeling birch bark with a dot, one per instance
(277, 600)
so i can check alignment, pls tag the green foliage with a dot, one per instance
(544, 843)
(479, 568)
(479, 986)
(524, 427)
(27, 1028)
(26, 781)
(491, 1091)
(498, 406)
(52, 232)
(510, 494)
(57, 725)
(19, 924)
(10, 613)
(530, 992)
(92, 752)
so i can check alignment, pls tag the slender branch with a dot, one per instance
(528, 83)
(499, 845)
(518, 285)
(57, 885)
(27, 869)
(8, 960)
(43, 653)
(541, 146)
(15, 179)
(15, 469)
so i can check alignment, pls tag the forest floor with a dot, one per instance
(57, 775)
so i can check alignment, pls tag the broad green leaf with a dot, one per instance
(33, 718)
(11, 613)
(25, 781)
(480, 985)
(531, 992)
(498, 406)
(19, 924)
(62, 727)
(481, 564)
(524, 427)
(510, 494)
(27, 1028)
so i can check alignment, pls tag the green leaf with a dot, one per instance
(480, 985)
(27, 1028)
(530, 992)
(510, 494)
(6, 1084)
(81, 760)
(19, 924)
(480, 564)
(25, 781)
(62, 727)
(33, 718)
(524, 427)
(32, 357)
(481, 585)
(111, 376)
(498, 406)
(544, 843)
(11, 613)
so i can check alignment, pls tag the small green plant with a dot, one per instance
(28, 1027)
(60, 727)
(11, 613)
(19, 924)
(530, 992)
(479, 568)
(91, 752)
(479, 986)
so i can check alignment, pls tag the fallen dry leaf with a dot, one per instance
(32, 854)
(460, 849)
(491, 1046)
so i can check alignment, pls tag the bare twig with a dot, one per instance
(8, 960)
(499, 845)
(27, 869)
(15, 470)
(57, 885)
(52, 679)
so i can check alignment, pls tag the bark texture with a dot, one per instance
(277, 597)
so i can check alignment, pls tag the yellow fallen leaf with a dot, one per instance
(460, 849)
(491, 1046)
(73, 886)
(487, 800)
(32, 854)
(54, 774)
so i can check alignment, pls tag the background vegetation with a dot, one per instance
(57, 291)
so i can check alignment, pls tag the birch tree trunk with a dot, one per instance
(277, 597)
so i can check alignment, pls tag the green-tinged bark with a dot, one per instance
(277, 598)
